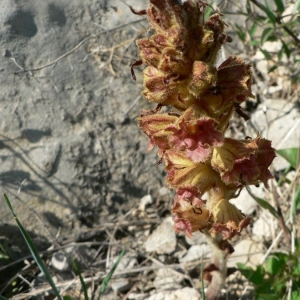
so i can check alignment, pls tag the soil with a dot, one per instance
(73, 161)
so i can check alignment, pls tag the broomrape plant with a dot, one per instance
(191, 138)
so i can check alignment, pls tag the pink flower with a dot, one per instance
(197, 137)
(189, 194)
(189, 219)
(228, 220)
(234, 80)
(182, 172)
(244, 162)
(154, 126)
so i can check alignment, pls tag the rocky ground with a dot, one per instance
(75, 165)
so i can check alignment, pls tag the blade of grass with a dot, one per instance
(75, 266)
(286, 49)
(280, 6)
(208, 11)
(241, 33)
(290, 154)
(33, 250)
(266, 34)
(297, 5)
(266, 54)
(267, 11)
(253, 30)
(297, 202)
(110, 274)
(263, 203)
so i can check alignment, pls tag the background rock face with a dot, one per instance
(70, 148)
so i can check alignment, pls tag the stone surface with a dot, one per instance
(167, 278)
(198, 238)
(163, 238)
(185, 293)
(245, 203)
(197, 252)
(146, 200)
(265, 227)
(59, 261)
(278, 121)
(127, 262)
(163, 191)
(69, 140)
(247, 252)
(120, 284)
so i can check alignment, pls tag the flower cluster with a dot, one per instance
(199, 159)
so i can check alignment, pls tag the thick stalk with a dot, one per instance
(216, 272)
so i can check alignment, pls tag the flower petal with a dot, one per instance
(228, 220)
(184, 172)
(234, 78)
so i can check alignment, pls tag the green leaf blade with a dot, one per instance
(33, 250)
(297, 202)
(280, 6)
(84, 287)
(266, 34)
(291, 155)
(268, 12)
(110, 273)
(266, 54)
(264, 204)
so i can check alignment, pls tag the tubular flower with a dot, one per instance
(181, 52)
(189, 218)
(182, 172)
(244, 162)
(197, 137)
(235, 76)
(155, 127)
(189, 194)
(227, 219)
(199, 159)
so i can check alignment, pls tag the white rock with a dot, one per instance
(265, 227)
(127, 262)
(198, 238)
(261, 64)
(137, 296)
(197, 252)
(163, 238)
(272, 46)
(245, 203)
(164, 191)
(291, 175)
(59, 261)
(246, 252)
(186, 293)
(110, 296)
(120, 284)
(167, 278)
(159, 296)
(288, 12)
(278, 121)
(274, 89)
(146, 200)
(45, 156)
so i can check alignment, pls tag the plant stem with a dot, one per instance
(278, 21)
(218, 267)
